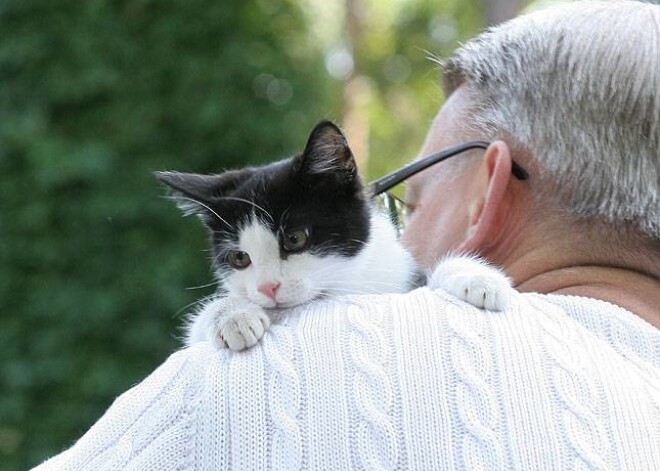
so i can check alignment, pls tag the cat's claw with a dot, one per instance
(242, 329)
(473, 281)
(484, 292)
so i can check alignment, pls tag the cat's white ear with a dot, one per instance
(195, 193)
(327, 151)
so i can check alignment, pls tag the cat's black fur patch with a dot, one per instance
(318, 189)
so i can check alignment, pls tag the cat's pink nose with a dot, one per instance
(269, 289)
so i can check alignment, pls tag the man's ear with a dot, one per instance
(489, 210)
(327, 152)
(195, 193)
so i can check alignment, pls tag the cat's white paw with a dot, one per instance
(473, 281)
(484, 292)
(241, 329)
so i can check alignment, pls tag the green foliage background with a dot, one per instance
(94, 95)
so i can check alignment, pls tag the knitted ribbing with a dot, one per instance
(417, 381)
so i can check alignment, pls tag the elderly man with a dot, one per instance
(567, 378)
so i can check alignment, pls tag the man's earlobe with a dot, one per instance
(488, 213)
(475, 210)
(474, 217)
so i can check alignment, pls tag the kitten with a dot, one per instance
(288, 232)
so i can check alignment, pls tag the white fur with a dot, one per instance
(473, 280)
(383, 265)
(228, 322)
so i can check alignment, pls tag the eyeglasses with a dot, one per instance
(394, 207)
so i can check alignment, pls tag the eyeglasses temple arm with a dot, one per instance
(391, 179)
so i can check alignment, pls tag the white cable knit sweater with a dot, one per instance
(417, 381)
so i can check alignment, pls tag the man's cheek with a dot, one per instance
(420, 239)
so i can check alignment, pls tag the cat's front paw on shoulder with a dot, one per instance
(474, 281)
(492, 293)
(242, 329)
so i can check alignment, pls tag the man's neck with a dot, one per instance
(633, 288)
(633, 291)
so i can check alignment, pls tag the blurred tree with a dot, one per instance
(93, 264)
(385, 59)
(97, 93)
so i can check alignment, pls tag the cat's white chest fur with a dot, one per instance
(240, 319)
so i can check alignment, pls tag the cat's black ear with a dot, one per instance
(195, 193)
(327, 151)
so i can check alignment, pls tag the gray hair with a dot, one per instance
(576, 86)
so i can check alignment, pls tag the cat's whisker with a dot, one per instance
(179, 197)
(285, 215)
(213, 283)
(338, 281)
(189, 305)
(337, 267)
(243, 200)
(319, 249)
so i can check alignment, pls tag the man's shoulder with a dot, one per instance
(395, 325)
(388, 378)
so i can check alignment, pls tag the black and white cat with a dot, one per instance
(301, 228)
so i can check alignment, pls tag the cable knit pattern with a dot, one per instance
(475, 402)
(375, 438)
(638, 344)
(417, 381)
(283, 401)
(578, 392)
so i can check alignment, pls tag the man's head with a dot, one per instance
(570, 93)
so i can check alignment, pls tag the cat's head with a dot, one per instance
(284, 233)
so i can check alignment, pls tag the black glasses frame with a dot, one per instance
(390, 180)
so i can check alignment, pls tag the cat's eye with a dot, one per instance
(238, 259)
(295, 241)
